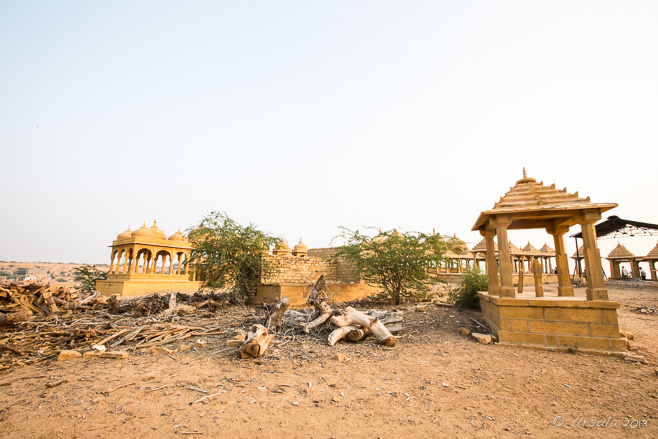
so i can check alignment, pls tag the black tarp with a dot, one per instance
(618, 227)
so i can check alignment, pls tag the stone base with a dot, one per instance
(554, 323)
(143, 284)
(298, 292)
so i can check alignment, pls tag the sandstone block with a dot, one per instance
(200, 344)
(184, 347)
(573, 314)
(558, 328)
(68, 355)
(160, 350)
(635, 359)
(116, 355)
(610, 316)
(91, 354)
(482, 338)
(604, 330)
(520, 312)
(520, 337)
(465, 331)
(628, 335)
(340, 357)
(520, 325)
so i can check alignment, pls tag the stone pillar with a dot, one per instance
(125, 263)
(504, 257)
(112, 262)
(520, 287)
(561, 261)
(539, 282)
(550, 265)
(635, 269)
(595, 283)
(492, 269)
(652, 270)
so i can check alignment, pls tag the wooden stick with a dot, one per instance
(206, 397)
(110, 390)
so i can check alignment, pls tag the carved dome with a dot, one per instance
(143, 231)
(300, 249)
(281, 245)
(157, 232)
(178, 236)
(125, 235)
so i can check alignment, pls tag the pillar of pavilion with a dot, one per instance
(554, 322)
(652, 258)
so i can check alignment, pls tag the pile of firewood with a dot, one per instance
(38, 322)
(347, 323)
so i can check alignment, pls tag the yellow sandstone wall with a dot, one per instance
(554, 323)
(137, 285)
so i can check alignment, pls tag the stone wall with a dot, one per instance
(287, 269)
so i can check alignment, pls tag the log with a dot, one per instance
(340, 333)
(257, 342)
(325, 313)
(50, 301)
(377, 328)
(274, 320)
(294, 318)
(316, 298)
(358, 334)
(89, 298)
(14, 317)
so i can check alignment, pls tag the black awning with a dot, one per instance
(615, 227)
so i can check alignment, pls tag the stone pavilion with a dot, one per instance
(547, 322)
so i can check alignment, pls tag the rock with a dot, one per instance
(99, 347)
(628, 335)
(68, 355)
(200, 344)
(340, 357)
(482, 338)
(465, 331)
(159, 350)
(91, 354)
(635, 359)
(115, 355)
(335, 399)
(184, 347)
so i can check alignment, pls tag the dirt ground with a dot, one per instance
(434, 383)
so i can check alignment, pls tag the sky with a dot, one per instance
(303, 116)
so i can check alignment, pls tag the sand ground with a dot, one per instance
(435, 383)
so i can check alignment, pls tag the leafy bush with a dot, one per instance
(466, 296)
(87, 275)
(228, 254)
(399, 263)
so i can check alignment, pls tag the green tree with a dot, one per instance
(466, 296)
(399, 263)
(225, 253)
(87, 275)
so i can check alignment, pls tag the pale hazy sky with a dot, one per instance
(301, 116)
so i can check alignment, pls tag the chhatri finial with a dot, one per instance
(144, 225)
(154, 221)
(524, 174)
(433, 231)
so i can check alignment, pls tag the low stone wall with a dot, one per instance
(560, 323)
(298, 292)
(288, 269)
(143, 284)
